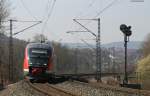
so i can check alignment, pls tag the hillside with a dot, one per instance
(131, 45)
(18, 46)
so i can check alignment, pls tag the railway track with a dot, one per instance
(50, 90)
(76, 88)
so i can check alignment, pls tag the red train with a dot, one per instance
(38, 61)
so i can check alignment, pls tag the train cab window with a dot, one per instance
(39, 57)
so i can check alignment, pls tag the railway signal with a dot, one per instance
(127, 32)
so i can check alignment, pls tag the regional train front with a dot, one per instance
(38, 61)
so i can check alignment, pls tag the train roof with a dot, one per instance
(40, 45)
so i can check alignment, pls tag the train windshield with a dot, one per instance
(39, 57)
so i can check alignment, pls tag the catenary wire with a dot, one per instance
(104, 9)
(88, 7)
(27, 9)
(80, 13)
(49, 15)
(107, 7)
(47, 9)
(101, 11)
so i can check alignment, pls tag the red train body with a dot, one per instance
(38, 61)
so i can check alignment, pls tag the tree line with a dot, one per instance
(143, 65)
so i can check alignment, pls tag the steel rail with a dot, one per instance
(49, 90)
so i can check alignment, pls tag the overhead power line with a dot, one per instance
(27, 28)
(48, 5)
(102, 11)
(49, 15)
(27, 21)
(107, 7)
(27, 9)
(91, 4)
(47, 9)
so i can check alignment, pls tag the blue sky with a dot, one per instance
(135, 14)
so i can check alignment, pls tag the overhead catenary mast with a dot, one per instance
(98, 53)
(98, 45)
(11, 50)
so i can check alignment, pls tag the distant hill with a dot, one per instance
(131, 45)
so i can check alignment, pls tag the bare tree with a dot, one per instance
(39, 38)
(4, 13)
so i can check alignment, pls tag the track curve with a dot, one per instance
(49, 89)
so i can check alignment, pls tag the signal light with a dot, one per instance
(126, 29)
